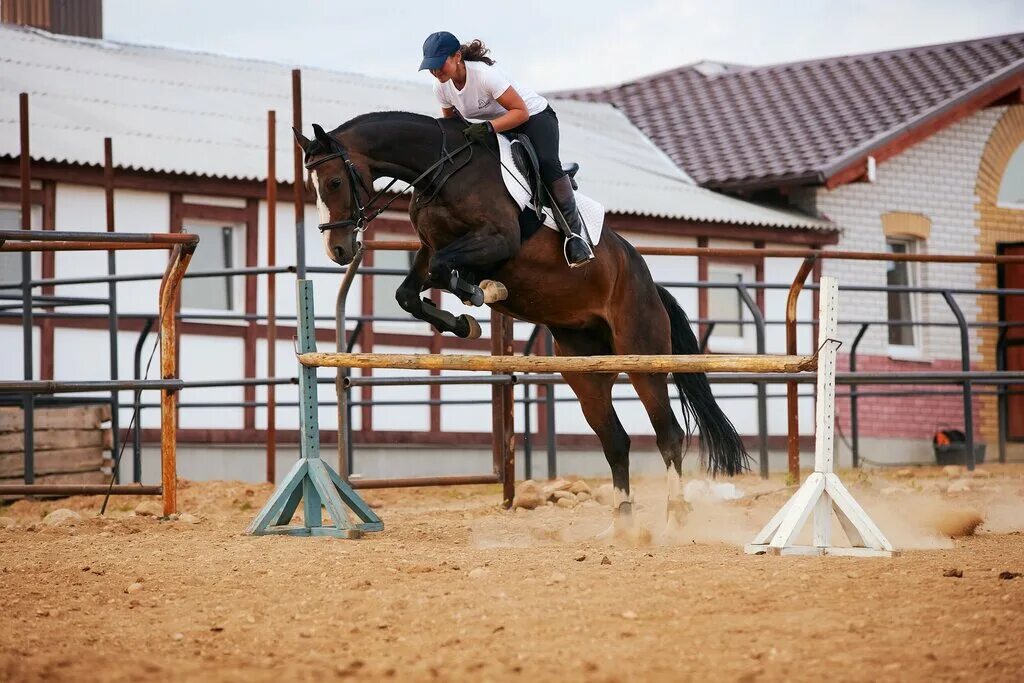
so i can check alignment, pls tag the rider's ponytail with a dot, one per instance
(476, 51)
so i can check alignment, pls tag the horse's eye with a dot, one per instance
(335, 183)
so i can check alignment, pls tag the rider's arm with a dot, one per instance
(517, 113)
(449, 112)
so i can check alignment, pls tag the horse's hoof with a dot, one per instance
(676, 514)
(494, 291)
(467, 327)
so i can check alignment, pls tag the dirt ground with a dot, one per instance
(457, 589)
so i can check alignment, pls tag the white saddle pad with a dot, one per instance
(591, 211)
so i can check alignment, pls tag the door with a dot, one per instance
(1011, 310)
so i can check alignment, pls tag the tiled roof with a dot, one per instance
(176, 111)
(732, 126)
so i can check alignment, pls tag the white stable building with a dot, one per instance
(189, 145)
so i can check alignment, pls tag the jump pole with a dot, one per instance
(312, 481)
(823, 491)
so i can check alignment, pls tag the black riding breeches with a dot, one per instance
(542, 129)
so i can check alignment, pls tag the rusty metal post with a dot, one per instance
(792, 390)
(180, 256)
(28, 399)
(112, 323)
(297, 180)
(503, 412)
(271, 295)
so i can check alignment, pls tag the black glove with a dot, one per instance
(479, 132)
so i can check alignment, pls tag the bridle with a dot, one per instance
(363, 214)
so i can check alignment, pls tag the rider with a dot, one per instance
(468, 83)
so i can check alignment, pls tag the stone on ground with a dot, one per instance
(62, 517)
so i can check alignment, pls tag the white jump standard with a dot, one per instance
(823, 491)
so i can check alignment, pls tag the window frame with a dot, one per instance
(914, 350)
(235, 292)
(746, 342)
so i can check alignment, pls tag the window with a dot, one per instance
(902, 305)
(1011, 188)
(725, 303)
(384, 286)
(216, 251)
(10, 261)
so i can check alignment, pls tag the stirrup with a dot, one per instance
(565, 251)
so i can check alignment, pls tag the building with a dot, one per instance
(913, 150)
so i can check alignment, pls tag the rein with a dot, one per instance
(360, 219)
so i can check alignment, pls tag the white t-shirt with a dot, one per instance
(479, 98)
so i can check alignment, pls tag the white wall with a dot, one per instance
(936, 178)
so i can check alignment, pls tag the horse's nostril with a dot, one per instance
(340, 256)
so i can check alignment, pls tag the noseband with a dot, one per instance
(362, 215)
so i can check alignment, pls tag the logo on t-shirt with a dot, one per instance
(482, 102)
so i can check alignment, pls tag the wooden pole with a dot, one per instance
(624, 363)
(180, 256)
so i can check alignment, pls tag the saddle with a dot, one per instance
(525, 158)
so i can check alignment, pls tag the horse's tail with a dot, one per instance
(718, 438)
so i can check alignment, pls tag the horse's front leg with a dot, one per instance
(408, 297)
(471, 253)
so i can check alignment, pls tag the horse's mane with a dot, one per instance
(373, 117)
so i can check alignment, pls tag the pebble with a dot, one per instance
(959, 486)
(528, 495)
(583, 496)
(179, 636)
(7, 523)
(580, 486)
(477, 573)
(569, 502)
(605, 560)
(580, 558)
(1006, 576)
(62, 517)
(904, 474)
(149, 508)
(953, 573)
(629, 614)
(188, 519)
(563, 495)
(133, 588)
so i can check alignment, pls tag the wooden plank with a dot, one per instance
(803, 501)
(72, 417)
(95, 477)
(624, 363)
(53, 439)
(49, 462)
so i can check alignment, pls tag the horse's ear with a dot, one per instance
(326, 140)
(301, 140)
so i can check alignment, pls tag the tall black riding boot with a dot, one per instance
(577, 248)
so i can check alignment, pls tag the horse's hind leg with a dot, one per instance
(594, 391)
(652, 389)
(671, 438)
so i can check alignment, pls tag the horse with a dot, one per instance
(469, 227)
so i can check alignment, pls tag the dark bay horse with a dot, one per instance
(471, 225)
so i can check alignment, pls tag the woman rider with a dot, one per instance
(469, 83)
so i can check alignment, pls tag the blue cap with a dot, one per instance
(437, 48)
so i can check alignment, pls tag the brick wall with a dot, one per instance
(951, 178)
(908, 417)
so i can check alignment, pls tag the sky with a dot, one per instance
(554, 44)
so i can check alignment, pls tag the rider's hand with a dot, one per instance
(479, 132)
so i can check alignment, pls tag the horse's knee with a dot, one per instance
(408, 299)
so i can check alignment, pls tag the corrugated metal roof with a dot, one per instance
(195, 113)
